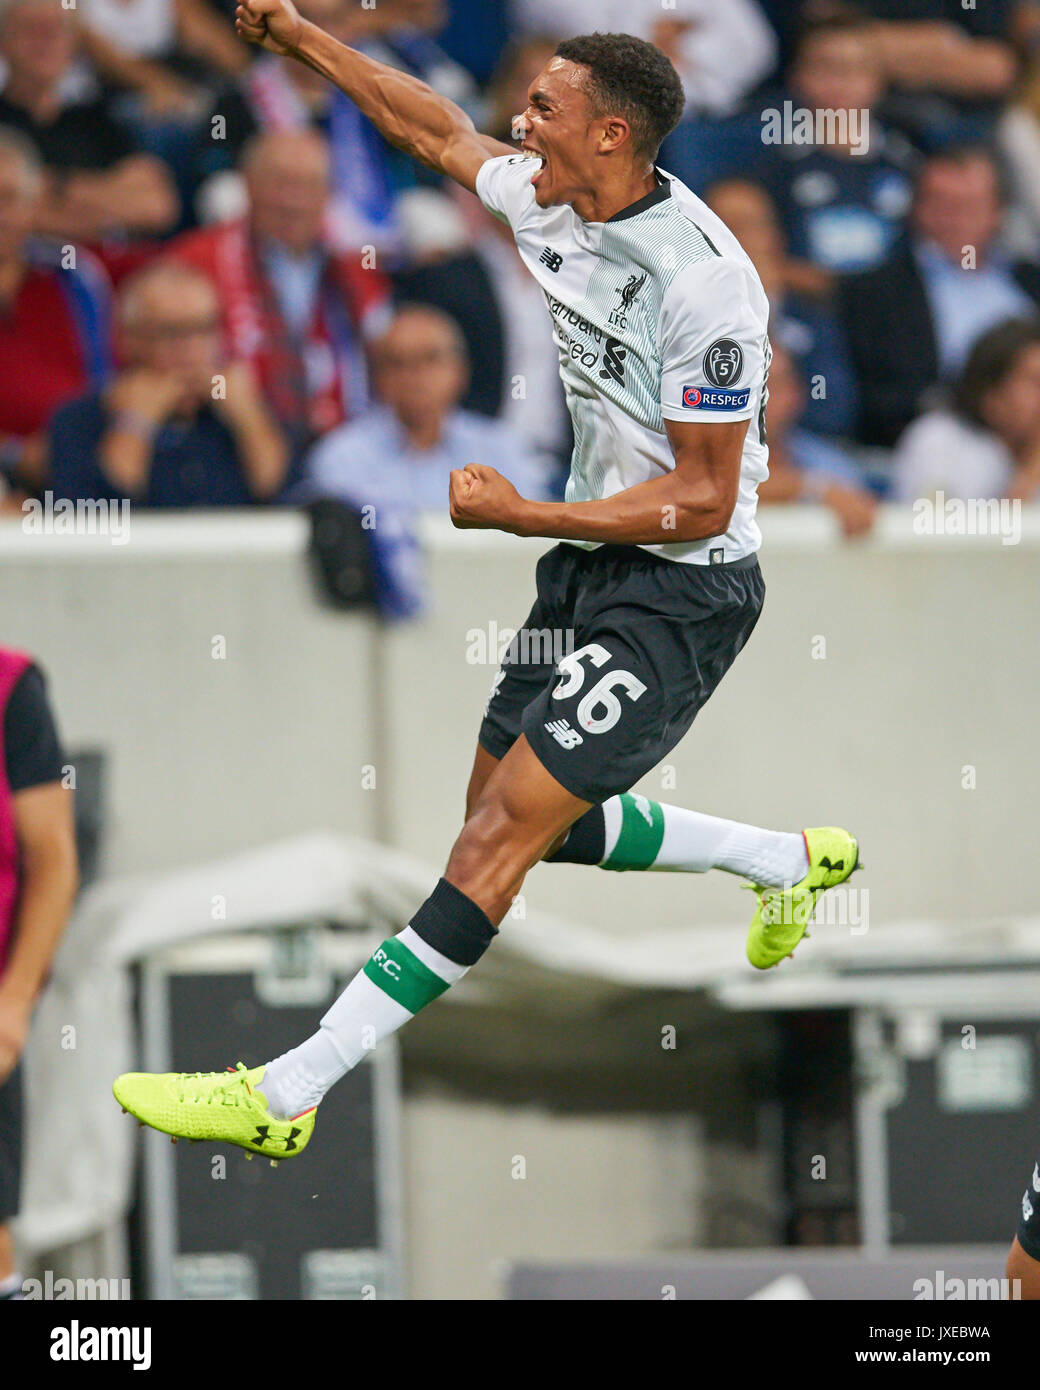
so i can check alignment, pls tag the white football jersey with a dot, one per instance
(658, 314)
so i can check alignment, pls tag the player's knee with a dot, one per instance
(489, 859)
(486, 838)
(556, 844)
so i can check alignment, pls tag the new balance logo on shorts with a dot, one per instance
(564, 735)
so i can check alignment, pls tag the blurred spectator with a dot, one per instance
(986, 443)
(395, 460)
(522, 60)
(175, 41)
(163, 63)
(805, 325)
(401, 451)
(293, 306)
(38, 879)
(720, 51)
(1018, 142)
(803, 466)
(474, 34)
(842, 201)
(98, 182)
(948, 63)
(180, 426)
(54, 317)
(911, 322)
(368, 174)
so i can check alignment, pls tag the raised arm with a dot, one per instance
(409, 113)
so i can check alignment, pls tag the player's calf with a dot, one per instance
(271, 1108)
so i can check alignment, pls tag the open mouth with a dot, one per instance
(536, 158)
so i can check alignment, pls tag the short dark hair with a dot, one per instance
(991, 361)
(631, 78)
(970, 152)
(840, 23)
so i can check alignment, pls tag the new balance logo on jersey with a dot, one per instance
(613, 368)
(564, 735)
(551, 258)
(629, 292)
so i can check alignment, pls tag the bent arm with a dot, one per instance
(693, 502)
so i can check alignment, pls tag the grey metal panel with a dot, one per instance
(203, 1202)
(791, 1274)
(959, 1173)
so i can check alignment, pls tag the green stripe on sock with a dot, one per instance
(642, 830)
(403, 976)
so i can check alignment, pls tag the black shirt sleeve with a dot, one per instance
(32, 749)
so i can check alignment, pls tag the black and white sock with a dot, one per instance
(447, 936)
(633, 832)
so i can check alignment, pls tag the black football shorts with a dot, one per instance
(619, 652)
(1029, 1223)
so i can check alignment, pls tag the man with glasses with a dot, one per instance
(416, 434)
(394, 461)
(180, 426)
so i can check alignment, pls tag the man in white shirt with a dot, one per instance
(416, 434)
(659, 321)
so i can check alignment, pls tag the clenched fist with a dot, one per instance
(480, 497)
(273, 24)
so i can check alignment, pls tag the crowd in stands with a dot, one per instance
(220, 286)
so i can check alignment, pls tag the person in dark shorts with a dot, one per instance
(660, 326)
(1023, 1261)
(38, 880)
(674, 629)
